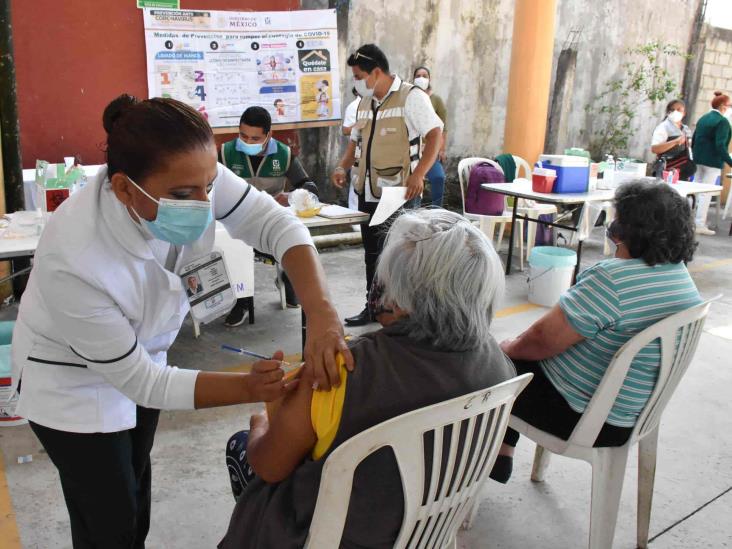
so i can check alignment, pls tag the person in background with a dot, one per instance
(710, 148)
(569, 349)
(349, 120)
(436, 174)
(671, 141)
(393, 119)
(269, 166)
(435, 345)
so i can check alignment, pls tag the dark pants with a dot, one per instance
(541, 405)
(106, 481)
(374, 237)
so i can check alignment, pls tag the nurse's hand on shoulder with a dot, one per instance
(325, 339)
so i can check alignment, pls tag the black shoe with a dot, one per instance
(361, 319)
(291, 301)
(502, 469)
(237, 316)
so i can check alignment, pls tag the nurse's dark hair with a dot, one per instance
(654, 222)
(142, 134)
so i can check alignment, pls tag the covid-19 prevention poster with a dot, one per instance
(221, 62)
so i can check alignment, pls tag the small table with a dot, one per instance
(522, 189)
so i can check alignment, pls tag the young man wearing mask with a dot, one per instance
(395, 140)
(269, 166)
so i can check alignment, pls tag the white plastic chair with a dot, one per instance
(482, 416)
(679, 336)
(530, 208)
(487, 223)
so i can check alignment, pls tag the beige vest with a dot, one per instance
(386, 157)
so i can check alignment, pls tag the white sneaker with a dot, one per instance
(704, 230)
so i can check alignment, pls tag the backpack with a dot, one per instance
(478, 200)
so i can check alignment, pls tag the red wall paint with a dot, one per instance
(72, 57)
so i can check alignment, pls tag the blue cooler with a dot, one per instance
(573, 172)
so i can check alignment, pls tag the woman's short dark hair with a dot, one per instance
(368, 57)
(257, 117)
(654, 222)
(141, 134)
(421, 68)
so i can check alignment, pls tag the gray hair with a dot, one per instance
(445, 274)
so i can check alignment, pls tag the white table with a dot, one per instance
(522, 189)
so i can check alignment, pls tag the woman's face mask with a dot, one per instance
(675, 116)
(422, 82)
(178, 221)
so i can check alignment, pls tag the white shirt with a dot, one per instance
(349, 116)
(101, 310)
(419, 115)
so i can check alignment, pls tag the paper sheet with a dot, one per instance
(392, 198)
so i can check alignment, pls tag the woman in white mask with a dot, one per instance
(671, 142)
(711, 151)
(105, 301)
(436, 175)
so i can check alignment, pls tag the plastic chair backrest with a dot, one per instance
(464, 167)
(436, 498)
(522, 164)
(679, 335)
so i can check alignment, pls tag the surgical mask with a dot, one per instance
(613, 247)
(178, 221)
(728, 113)
(422, 82)
(250, 149)
(675, 116)
(362, 88)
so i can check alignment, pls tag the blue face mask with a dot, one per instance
(251, 149)
(178, 221)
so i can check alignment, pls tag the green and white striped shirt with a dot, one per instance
(611, 302)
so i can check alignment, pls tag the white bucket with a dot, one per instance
(550, 274)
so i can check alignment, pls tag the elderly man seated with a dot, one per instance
(440, 279)
(571, 346)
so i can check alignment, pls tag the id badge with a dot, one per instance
(207, 287)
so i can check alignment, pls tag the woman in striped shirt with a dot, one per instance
(570, 347)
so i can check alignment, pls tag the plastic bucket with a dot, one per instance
(550, 274)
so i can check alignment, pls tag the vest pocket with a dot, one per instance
(389, 177)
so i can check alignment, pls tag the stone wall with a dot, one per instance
(716, 69)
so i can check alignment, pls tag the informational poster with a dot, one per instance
(221, 62)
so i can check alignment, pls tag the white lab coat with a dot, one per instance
(100, 310)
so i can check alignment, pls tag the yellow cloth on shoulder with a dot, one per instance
(326, 408)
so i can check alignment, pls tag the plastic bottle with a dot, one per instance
(609, 174)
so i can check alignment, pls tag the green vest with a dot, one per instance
(270, 177)
(711, 140)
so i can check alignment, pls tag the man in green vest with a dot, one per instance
(393, 143)
(267, 164)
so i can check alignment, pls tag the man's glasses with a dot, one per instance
(359, 55)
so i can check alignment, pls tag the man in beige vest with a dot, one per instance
(395, 141)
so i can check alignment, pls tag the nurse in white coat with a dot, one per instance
(105, 301)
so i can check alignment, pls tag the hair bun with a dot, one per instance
(717, 93)
(116, 108)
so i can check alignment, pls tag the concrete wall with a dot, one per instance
(467, 44)
(607, 29)
(716, 69)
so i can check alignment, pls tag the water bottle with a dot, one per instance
(609, 174)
